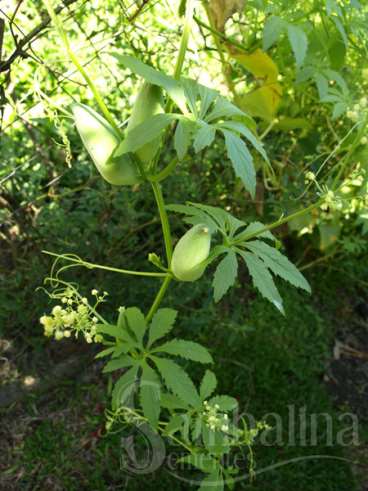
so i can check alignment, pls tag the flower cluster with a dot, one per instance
(250, 434)
(215, 419)
(359, 110)
(352, 197)
(74, 316)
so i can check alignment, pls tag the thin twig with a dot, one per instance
(19, 51)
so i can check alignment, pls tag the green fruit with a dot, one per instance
(148, 103)
(190, 253)
(101, 140)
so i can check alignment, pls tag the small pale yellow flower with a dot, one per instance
(57, 310)
(59, 335)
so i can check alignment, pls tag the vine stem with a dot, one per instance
(160, 295)
(164, 220)
(160, 176)
(161, 426)
(279, 222)
(156, 187)
(184, 39)
(89, 265)
(217, 33)
(79, 67)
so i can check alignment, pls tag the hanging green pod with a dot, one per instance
(148, 103)
(100, 140)
(190, 252)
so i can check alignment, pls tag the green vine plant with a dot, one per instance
(152, 387)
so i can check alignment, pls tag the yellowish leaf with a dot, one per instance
(259, 63)
(262, 102)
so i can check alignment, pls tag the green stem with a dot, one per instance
(79, 67)
(159, 297)
(317, 261)
(347, 156)
(164, 220)
(177, 72)
(107, 268)
(165, 172)
(184, 40)
(219, 34)
(155, 185)
(268, 129)
(281, 221)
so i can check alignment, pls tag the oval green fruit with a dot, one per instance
(148, 103)
(190, 252)
(100, 140)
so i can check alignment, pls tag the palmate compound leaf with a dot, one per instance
(208, 385)
(223, 109)
(241, 160)
(215, 218)
(136, 322)
(197, 425)
(174, 424)
(194, 215)
(144, 133)
(123, 361)
(190, 87)
(227, 223)
(105, 352)
(216, 442)
(124, 387)
(201, 461)
(272, 31)
(278, 264)
(207, 97)
(183, 136)
(177, 380)
(225, 275)
(173, 402)
(162, 323)
(150, 394)
(212, 482)
(155, 77)
(186, 349)
(299, 43)
(120, 334)
(218, 215)
(225, 403)
(262, 279)
(204, 137)
(244, 131)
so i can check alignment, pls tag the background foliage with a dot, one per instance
(301, 70)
